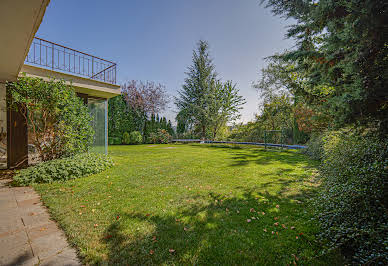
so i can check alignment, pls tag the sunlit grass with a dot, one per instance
(192, 204)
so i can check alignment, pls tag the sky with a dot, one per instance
(154, 39)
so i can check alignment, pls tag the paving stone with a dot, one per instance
(9, 203)
(35, 219)
(16, 255)
(49, 245)
(25, 195)
(29, 202)
(9, 222)
(42, 230)
(66, 257)
(27, 235)
(14, 240)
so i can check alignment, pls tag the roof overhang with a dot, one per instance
(91, 87)
(19, 21)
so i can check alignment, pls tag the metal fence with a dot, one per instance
(58, 57)
(241, 143)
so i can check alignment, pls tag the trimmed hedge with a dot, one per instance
(63, 169)
(352, 204)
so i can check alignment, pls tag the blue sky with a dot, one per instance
(153, 39)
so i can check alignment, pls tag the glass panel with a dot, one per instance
(98, 110)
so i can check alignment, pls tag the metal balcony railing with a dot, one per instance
(58, 57)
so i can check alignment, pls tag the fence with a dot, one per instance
(241, 143)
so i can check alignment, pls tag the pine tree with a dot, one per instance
(192, 98)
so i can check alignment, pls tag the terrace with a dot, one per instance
(57, 57)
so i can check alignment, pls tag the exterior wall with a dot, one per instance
(82, 85)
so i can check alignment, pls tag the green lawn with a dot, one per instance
(192, 204)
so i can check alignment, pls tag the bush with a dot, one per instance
(59, 123)
(126, 138)
(160, 137)
(135, 138)
(114, 141)
(315, 146)
(352, 205)
(63, 169)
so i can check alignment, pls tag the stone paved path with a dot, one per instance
(27, 235)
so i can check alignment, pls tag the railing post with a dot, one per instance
(52, 56)
(92, 66)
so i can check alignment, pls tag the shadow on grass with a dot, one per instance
(243, 156)
(214, 229)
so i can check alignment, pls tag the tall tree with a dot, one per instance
(204, 100)
(342, 48)
(192, 98)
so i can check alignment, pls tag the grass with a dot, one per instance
(192, 204)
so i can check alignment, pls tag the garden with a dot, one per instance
(193, 204)
(149, 201)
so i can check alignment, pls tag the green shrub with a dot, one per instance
(135, 137)
(63, 169)
(352, 205)
(160, 137)
(315, 146)
(126, 138)
(114, 141)
(59, 123)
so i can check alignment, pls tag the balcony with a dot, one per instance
(60, 58)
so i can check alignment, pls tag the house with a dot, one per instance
(93, 78)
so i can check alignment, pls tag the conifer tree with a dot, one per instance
(192, 98)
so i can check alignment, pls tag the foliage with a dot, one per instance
(249, 132)
(147, 97)
(352, 205)
(114, 141)
(277, 113)
(206, 104)
(126, 138)
(135, 137)
(161, 206)
(58, 121)
(315, 146)
(123, 118)
(342, 53)
(160, 137)
(63, 169)
(224, 106)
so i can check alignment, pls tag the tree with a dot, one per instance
(145, 98)
(122, 118)
(281, 105)
(204, 102)
(225, 104)
(59, 123)
(201, 76)
(342, 49)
